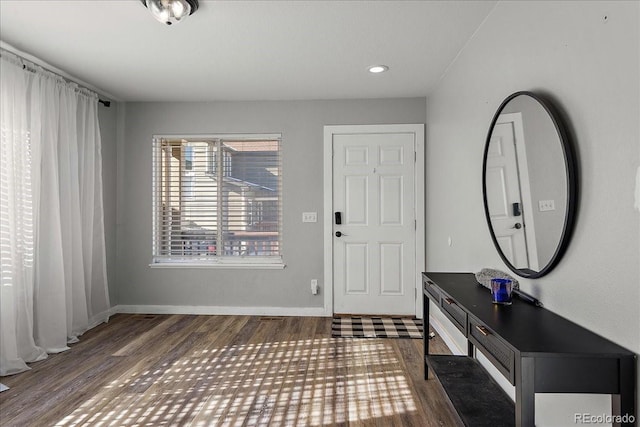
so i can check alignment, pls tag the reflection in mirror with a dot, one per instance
(528, 185)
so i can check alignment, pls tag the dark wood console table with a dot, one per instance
(535, 349)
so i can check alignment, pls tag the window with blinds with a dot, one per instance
(217, 200)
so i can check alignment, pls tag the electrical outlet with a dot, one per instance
(314, 286)
(309, 217)
(546, 205)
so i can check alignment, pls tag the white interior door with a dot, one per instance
(374, 246)
(503, 190)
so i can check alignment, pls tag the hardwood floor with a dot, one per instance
(165, 370)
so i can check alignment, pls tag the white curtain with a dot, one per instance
(52, 252)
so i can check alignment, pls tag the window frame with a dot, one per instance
(220, 261)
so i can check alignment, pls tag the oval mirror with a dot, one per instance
(529, 184)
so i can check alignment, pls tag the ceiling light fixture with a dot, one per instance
(377, 69)
(171, 11)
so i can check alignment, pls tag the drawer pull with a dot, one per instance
(449, 301)
(482, 330)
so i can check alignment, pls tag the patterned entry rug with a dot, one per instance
(376, 327)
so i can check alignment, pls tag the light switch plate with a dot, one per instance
(309, 217)
(546, 205)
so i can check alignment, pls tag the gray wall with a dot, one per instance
(108, 118)
(591, 66)
(301, 124)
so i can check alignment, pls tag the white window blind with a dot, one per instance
(217, 200)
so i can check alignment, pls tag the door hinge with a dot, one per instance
(415, 157)
(415, 224)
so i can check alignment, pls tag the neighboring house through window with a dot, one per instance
(217, 200)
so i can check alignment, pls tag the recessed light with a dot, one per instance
(376, 69)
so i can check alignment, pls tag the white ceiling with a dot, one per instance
(247, 50)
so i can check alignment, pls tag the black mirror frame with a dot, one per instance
(572, 186)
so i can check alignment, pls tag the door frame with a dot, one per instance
(419, 199)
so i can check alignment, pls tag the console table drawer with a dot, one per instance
(493, 348)
(431, 290)
(455, 313)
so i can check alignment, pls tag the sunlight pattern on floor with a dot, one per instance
(288, 383)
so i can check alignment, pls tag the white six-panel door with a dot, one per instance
(374, 248)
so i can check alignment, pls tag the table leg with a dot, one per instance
(525, 392)
(623, 404)
(425, 333)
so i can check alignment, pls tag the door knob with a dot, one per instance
(518, 226)
(338, 234)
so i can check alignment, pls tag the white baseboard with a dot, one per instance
(103, 317)
(222, 310)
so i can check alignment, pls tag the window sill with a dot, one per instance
(219, 265)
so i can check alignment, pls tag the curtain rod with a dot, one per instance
(50, 69)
